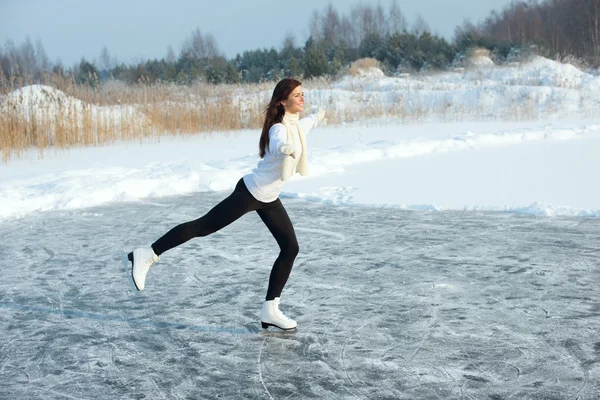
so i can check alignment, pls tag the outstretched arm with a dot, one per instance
(312, 121)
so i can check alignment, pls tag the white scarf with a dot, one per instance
(291, 164)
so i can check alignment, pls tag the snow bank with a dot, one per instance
(540, 88)
(89, 177)
(45, 105)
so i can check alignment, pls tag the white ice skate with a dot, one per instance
(270, 315)
(141, 261)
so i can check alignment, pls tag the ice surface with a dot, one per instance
(390, 304)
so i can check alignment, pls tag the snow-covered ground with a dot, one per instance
(539, 88)
(543, 168)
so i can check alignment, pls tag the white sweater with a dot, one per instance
(264, 182)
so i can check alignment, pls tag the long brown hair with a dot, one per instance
(275, 111)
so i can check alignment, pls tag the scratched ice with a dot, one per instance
(390, 304)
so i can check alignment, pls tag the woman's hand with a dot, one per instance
(321, 114)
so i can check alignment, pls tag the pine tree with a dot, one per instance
(315, 59)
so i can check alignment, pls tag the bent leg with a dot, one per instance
(230, 209)
(277, 220)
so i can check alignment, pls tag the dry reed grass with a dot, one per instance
(64, 114)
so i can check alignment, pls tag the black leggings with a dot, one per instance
(233, 207)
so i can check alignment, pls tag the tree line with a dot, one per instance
(556, 27)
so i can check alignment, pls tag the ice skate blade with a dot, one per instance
(279, 334)
(266, 325)
(128, 264)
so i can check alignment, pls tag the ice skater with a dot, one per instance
(283, 152)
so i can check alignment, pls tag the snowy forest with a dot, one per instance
(551, 28)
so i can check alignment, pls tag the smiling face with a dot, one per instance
(295, 101)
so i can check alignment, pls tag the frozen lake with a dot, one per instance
(390, 304)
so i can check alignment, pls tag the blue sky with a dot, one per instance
(135, 30)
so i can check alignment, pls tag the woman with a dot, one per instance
(283, 152)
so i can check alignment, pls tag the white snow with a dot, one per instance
(543, 167)
(45, 103)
